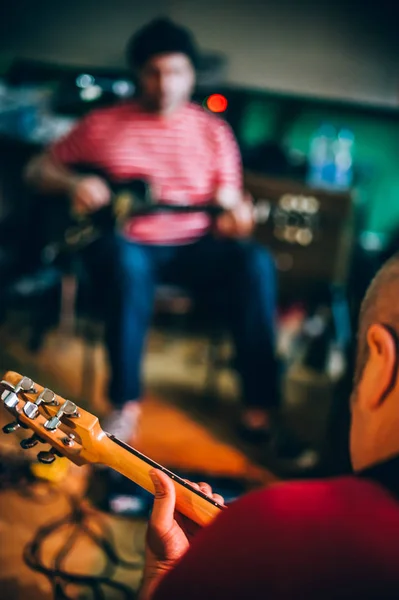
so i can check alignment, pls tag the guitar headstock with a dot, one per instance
(70, 430)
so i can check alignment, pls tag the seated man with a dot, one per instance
(188, 156)
(326, 539)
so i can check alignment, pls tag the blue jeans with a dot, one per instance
(235, 279)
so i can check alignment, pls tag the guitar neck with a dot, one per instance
(77, 434)
(136, 466)
(211, 210)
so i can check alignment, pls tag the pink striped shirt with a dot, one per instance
(185, 157)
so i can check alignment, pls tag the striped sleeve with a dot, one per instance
(227, 158)
(78, 146)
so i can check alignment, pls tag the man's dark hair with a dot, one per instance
(160, 36)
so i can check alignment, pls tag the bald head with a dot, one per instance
(380, 305)
(375, 394)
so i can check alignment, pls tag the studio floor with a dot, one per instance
(183, 427)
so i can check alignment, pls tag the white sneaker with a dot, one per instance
(123, 423)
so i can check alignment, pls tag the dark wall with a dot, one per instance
(341, 49)
(83, 32)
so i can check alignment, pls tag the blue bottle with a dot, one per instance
(344, 159)
(322, 164)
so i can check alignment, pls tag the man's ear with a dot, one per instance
(380, 371)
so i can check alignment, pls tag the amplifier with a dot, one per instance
(309, 231)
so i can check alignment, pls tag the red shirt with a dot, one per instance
(319, 540)
(185, 157)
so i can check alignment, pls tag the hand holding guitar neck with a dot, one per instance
(168, 535)
(76, 434)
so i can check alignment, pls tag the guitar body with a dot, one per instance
(68, 231)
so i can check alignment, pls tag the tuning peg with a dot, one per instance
(46, 457)
(11, 427)
(10, 394)
(69, 409)
(31, 409)
(30, 442)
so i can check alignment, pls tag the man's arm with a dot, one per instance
(87, 193)
(223, 559)
(50, 173)
(168, 534)
(238, 219)
(277, 542)
(45, 175)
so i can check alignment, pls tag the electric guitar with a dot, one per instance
(129, 199)
(295, 219)
(76, 434)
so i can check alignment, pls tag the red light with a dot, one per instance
(216, 103)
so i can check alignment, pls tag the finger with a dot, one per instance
(244, 213)
(248, 198)
(80, 205)
(218, 498)
(225, 224)
(95, 191)
(205, 488)
(164, 501)
(87, 202)
(187, 525)
(194, 485)
(104, 195)
(86, 196)
(99, 195)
